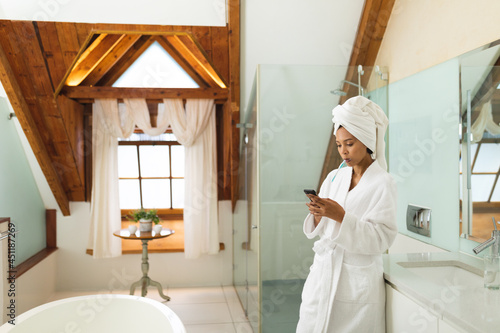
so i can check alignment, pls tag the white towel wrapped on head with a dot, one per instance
(365, 120)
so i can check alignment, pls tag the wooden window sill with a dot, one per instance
(171, 244)
(51, 244)
(33, 260)
(222, 247)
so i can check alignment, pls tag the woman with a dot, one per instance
(354, 216)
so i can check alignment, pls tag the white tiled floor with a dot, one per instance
(202, 310)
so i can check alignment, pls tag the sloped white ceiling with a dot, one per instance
(314, 32)
(164, 12)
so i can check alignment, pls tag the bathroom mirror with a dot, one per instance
(480, 142)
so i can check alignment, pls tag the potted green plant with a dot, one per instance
(145, 217)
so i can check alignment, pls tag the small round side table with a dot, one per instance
(145, 237)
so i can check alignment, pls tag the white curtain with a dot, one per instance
(195, 129)
(484, 122)
(108, 123)
(139, 111)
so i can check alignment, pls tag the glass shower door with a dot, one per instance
(245, 221)
(285, 134)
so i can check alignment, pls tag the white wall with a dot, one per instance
(70, 269)
(424, 33)
(36, 285)
(165, 12)
(79, 271)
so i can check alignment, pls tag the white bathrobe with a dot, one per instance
(344, 291)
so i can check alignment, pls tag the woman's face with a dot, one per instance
(350, 149)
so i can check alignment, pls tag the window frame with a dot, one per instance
(163, 213)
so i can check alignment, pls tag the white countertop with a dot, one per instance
(473, 309)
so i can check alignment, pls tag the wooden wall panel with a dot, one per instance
(51, 228)
(234, 79)
(83, 31)
(204, 38)
(68, 39)
(235, 157)
(29, 49)
(220, 155)
(8, 40)
(51, 51)
(220, 51)
(227, 157)
(72, 115)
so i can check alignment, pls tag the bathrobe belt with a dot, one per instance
(330, 272)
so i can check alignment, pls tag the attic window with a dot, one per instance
(155, 68)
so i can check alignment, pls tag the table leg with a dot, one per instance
(145, 281)
(145, 267)
(160, 289)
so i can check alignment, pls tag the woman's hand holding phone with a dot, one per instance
(310, 192)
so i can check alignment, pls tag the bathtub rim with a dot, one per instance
(172, 317)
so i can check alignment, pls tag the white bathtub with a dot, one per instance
(98, 313)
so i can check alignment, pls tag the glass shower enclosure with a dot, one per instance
(284, 138)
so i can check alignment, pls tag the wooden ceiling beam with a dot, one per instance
(67, 37)
(110, 59)
(200, 64)
(220, 47)
(371, 30)
(150, 101)
(204, 37)
(125, 61)
(182, 62)
(196, 49)
(51, 51)
(82, 92)
(30, 128)
(91, 57)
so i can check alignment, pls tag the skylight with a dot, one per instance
(155, 68)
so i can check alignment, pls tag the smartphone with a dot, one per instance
(310, 192)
